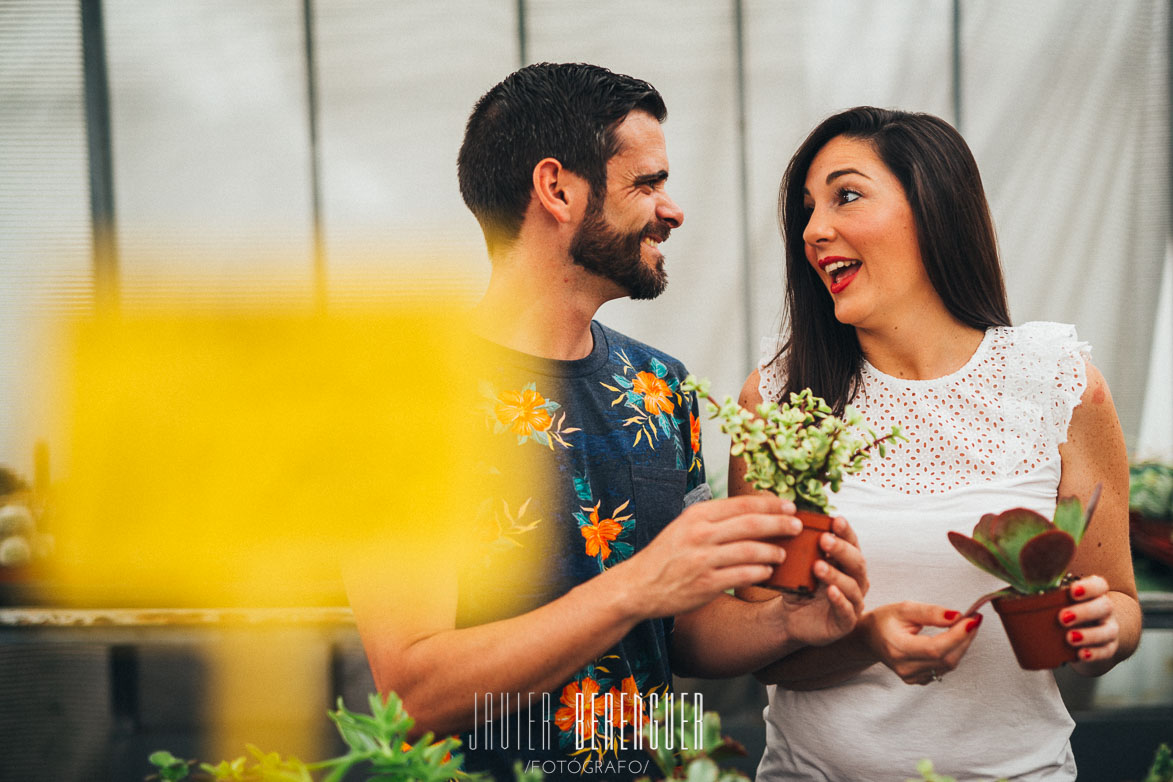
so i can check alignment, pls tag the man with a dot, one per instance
(565, 168)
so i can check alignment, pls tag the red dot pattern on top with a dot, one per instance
(1003, 414)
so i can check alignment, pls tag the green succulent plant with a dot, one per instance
(1023, 548)
(798, 449)
(1150, 489)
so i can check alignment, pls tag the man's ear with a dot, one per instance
(563, 194)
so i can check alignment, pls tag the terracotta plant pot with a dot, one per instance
(1032, 625)
(802, 551)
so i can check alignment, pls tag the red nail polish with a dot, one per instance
(1067, 617)
(973, 623)
(951, 615)
(1076, 636)
(1078, 591)
(1086, 654)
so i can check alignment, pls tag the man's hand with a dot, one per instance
(709, 548)
(729, 637)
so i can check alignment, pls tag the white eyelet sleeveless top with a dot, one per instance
(981, 440)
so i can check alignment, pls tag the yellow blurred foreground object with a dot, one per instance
(223, 460)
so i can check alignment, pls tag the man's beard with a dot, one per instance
(599, 248)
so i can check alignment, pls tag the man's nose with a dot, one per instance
(668, 211)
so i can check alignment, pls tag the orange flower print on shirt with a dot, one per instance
(657, 396)
(527, 414)
(695, 425)
(601, 532)
(523, 412)
(656, 406)
(579, 715)
(627, 706)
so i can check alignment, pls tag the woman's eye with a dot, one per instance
(846, 196)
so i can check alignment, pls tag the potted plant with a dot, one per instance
(1150, 510)
(1032, 555)
(800, 451)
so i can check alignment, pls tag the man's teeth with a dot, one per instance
(650, 242)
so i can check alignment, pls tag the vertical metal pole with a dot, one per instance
(101, 158)
(522, 43)
(743, 189)
(311, 80)
(957, 65)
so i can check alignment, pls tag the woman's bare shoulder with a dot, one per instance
(751, 395)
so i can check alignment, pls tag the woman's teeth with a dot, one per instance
(838, 268)
(831, 268)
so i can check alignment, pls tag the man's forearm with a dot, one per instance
(439, 675)
(413, 649)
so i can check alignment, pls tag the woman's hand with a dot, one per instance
(1093, 629)
(892, 632)
(832, 611)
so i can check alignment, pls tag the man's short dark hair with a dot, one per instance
(563, 111)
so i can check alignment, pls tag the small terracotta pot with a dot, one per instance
(1032, 625)
(802, 551)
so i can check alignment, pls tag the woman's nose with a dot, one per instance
(818, 228)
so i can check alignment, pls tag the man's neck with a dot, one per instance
(541, 309)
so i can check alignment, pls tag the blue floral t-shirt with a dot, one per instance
(615, 447)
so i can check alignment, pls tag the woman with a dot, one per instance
(896, 305)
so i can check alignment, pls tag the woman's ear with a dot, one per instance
(561, 193)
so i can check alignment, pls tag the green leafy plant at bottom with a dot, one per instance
(929, 774)
(690, 759)
(377, 744)
(1160, 771)
(1162, 768)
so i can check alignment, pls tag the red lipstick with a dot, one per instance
(842, 274)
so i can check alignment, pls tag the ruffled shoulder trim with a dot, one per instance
(1048, 333)
(1054, 359)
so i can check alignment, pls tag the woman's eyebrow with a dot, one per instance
(844, 171)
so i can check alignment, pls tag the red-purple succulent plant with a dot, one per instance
(1025, 550)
